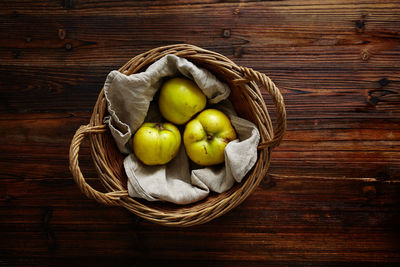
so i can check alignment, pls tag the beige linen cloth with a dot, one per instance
(130, 104)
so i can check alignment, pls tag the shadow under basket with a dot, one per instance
(248, 102)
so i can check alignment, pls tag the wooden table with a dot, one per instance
(335, 191)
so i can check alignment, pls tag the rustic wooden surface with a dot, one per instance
(335, 193)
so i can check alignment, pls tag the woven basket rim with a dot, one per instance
(243, 82)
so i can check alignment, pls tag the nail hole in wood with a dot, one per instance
(226, 33)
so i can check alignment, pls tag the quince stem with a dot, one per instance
(159, 126)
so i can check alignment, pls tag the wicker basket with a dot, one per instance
(248, 102)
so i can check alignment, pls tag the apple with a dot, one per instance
(156, 143)
(180, 99)
(206, 136)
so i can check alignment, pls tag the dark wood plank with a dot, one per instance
(339, 148)
(366, 29)
(41, 90)
(285, 193)
(287, 218)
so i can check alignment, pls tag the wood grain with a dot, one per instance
(334, 193)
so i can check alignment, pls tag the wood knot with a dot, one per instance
(360, 25)
(236, 11)
(62, 34)
(28, 39)
(384, 94)
(383, 82)
(68, 46)
(364, 55)
(226, 33)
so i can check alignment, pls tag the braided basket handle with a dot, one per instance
(251, 75)
(110, 198)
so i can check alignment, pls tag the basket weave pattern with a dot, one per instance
(244, 83)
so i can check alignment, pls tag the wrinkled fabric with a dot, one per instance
(130, 104)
